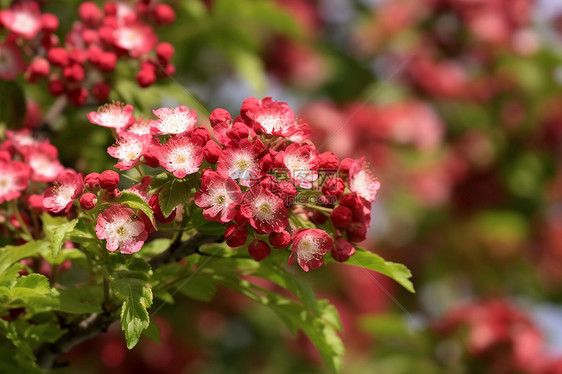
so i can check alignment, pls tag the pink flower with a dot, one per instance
(240, 161)
(60, 196)
(268, 116)
(362, 182)
(14, 177)
(301, 162)
(23, 19)
(174, 121)
(309, 247)
(136, 38)
(264, 210)
(11, 62)
(181, 156)
(140, 127)
(113, 115)
(218, 197)
(121, 229)
(128, 149)
(43, 160)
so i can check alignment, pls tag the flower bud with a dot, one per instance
(334, 187)
(92, 180)
(201, 133)
(341, 216)
(90, 13)
(77, 96)
(164, 51)
(58, 56)
(219, 115)
(280, 240)
(49, 22)
(235, 236)
(328, 160)
(211, 152)
(342, 250)
(101, 91)
(109, 180)
(357, 232)
(345, 165)
(164, 14)
(259, 249)
(146, 77)
(88, 201)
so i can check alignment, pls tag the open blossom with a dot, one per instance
(301, 162)
(113, 115)
(11, 62)
(268, 116)
(121, 229)
(141, 126)
(174, 121)
(128, 149)
(23, 19)
(66, 188)
(309, 247)
(136, 38)
(361, 181)
(265, 211)
(14, 177)
(218, 197)
(181, 156)
(45, 166)
(240, 161)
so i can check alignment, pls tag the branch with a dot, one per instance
(95, 324)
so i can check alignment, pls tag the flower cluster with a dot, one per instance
(84, 61)
(259, 175)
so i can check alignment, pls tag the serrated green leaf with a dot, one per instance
(57, 229)
(199, 223)
(131, 285)
(368, 260)
(11, 254)
(172, 194)
(11, 274)
(136, 202)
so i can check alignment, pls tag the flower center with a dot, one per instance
(221, 199)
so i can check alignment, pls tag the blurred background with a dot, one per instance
(456, 105)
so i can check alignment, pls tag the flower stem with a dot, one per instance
(20, 220)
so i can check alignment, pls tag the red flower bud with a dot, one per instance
(235, 236)
(146, 77)
(164, 51)
(346, 163)
(341, 216)
(219, 115)
(238, 131)
(88, 201)
(101, 91)
(49, 22)
(334, 187)
(107, 61)
(201, 133)
(164, 14)
(58, 56)
(38, 69)
(342, 250)
(92, 180)
(109, 180)
(78, 96)
(74, 73)
(151, 157)
(357, 232)
(280, 240)
(328, 160)
(211, 152)
(90, 13)
(259, 249)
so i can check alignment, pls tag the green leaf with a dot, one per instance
(198, 287)
(131, 284)
(172, 194)
(136, 202)
(86, 299)
(199, 223)
(57, 229)
(319, 329)
(34, 293)
(154, 247)
(11, 254)
(368, 260)
(152, 332)
(11, 274)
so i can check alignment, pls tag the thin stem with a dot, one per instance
(139, 170)
(318, 207)
(20, 220)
